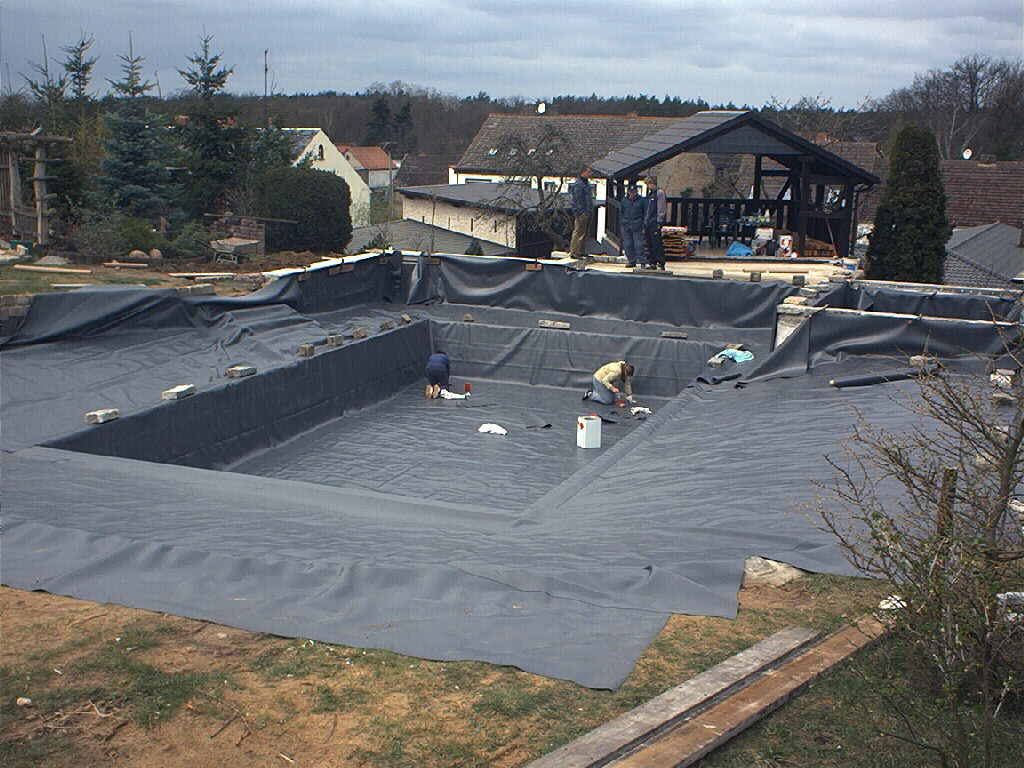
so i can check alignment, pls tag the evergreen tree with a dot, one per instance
(378, 127)
(403, 131)
(909, 239)
(215, 144)
(78, 67)
(131, 176)
(72, 183)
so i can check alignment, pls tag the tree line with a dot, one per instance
(203, 149)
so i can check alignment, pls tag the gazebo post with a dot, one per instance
(802, 212)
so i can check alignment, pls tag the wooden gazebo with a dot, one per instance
(16, 219)
(818, 196)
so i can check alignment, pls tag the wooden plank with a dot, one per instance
(202, 275)
(617, 736)
(130, 265)
(697, 737)
(61, 270)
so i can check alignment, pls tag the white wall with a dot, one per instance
(600, 186)
(334, 162)
(475, 222)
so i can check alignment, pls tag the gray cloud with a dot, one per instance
(745, 52)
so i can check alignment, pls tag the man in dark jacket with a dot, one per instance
(654, 218)
(631, 222)
(582, 208)
(437, 370)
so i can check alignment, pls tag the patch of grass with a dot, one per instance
(844, 721)
(149, 694)
(301, 658)
(326, 700)
(512, 701)
(31, 754)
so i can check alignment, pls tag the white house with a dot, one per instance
(587, 138)
(323, 155)
(376, 167)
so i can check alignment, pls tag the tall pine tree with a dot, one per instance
(215, 144)
(909, 239)
(131, 176)
(378, 127)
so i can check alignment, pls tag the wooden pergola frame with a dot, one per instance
(808, 169)
(18, 147)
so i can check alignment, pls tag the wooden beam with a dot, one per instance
(805, 193)
(60, 270)
(39, 190)
(757, 176)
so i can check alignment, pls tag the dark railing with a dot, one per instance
(716, 218)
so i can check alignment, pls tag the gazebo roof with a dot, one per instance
(730, 132)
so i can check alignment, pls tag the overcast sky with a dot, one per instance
(744, 51)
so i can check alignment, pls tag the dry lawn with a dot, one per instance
(117, 686)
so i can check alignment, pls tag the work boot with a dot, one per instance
(437, 391)
(587, 394)
(429, 392)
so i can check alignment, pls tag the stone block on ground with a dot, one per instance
(386, 325)
(102, 415)
(307, 350)
(554, 324)
(335, 340)
(240, 371)
(360, 333)
(671, 334)
(178, 392)
(405, 319)
(760, 570)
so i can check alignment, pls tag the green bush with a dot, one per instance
(316, 200)
(192, 242)
(114, 236)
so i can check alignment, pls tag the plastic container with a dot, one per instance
(588, 431)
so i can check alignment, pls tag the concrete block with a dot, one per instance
(922, 361)
(307, 350)
(1003, 398)
(759, 570)
(8, 300)
(102, 416)
(183, 290)
(404, 319)
(386, 325)
(467, 318)
(809, 292)
(335, 340)
(178, 392)
(670, 334)
(360, 333)
(534, 267)
(755, 277)
(554, 324)
(795, 300)
(240, 371)
(717, 274)
(201, 289)
(799, 280)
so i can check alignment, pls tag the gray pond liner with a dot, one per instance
(325, 498)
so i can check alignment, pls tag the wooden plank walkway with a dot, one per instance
(697, 737)
(616, 737)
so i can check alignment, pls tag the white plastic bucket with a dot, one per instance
(588, 432)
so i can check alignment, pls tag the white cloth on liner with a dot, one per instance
(492, 429)
(445, 394)
(640, 409)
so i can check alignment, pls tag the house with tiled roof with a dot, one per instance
(313, 146)
(982, 193)
(565, 141)
(375, 166)
(986, 256)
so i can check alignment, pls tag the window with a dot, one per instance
(319, 151)
(470, 180)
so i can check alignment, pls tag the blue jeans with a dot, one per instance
(600, 393)
(633, 245)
